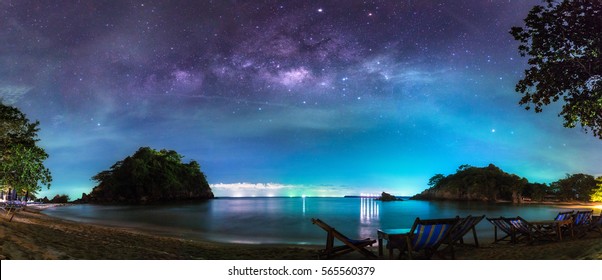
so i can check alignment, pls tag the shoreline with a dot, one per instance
(34, 235)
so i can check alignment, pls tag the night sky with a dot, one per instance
(283, 97)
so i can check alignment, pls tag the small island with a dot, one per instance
(385, 197)
(149, 176)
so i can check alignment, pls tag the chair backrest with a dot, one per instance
(502, 224)
(329, 229)
(563, 216)
(464, 226)
(583, 217)
(519, 224)
(430, 233)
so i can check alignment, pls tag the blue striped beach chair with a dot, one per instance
(464, 226)
(425, 236)
(504, 227)
(563, 216)
(532, 233)
(582, 221)
(520, 226)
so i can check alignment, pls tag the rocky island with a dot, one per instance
(149, 176)
(388, 197)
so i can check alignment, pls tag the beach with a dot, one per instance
(33, 235)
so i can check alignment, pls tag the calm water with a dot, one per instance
(288, 220)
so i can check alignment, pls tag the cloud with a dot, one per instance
(252, 189)
(11, 94)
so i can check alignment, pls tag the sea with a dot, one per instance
(284, 220)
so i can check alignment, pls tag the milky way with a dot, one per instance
(283, 97)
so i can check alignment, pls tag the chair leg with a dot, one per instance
(474, 234)
(409, 247)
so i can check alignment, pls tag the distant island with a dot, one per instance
(149, 176)
(388, 197)
(492, 184)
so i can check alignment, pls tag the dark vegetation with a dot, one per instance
(21, 159)
(59, 198)
(150, 176)
(490, 183)
(563, 41)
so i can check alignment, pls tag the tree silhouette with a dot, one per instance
(21, 160)
(563, 41)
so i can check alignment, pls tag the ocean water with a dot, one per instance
(288, 220)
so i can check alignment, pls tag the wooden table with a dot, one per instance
(555, 226)
(389, 234)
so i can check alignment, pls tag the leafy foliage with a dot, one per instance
(564, 44)
(473, 183)
(21, 160)
(433, 181)
(492, 184)
(597, 192)
(63, 198)
(575, 187)
(150, 176)
(536, 191)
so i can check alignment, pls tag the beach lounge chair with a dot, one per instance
(505, 229)
(563, 216)
(522, 227)
(582, 222)
(349, 245)
(464, 226)
(596, 224)
(12, 204)
(426, 236)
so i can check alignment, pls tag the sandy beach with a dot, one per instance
(32, 235)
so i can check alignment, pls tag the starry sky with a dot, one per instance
(283, 97)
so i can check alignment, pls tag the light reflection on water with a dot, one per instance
(368, 210)
(288, 220)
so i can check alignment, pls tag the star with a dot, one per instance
(282, 92)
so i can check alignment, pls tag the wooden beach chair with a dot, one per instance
(505, 229)
(426, 236)
(596, 224)
(563, 216)
(349, 245)
(464, 226)
(531, 232)
(582, 222)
